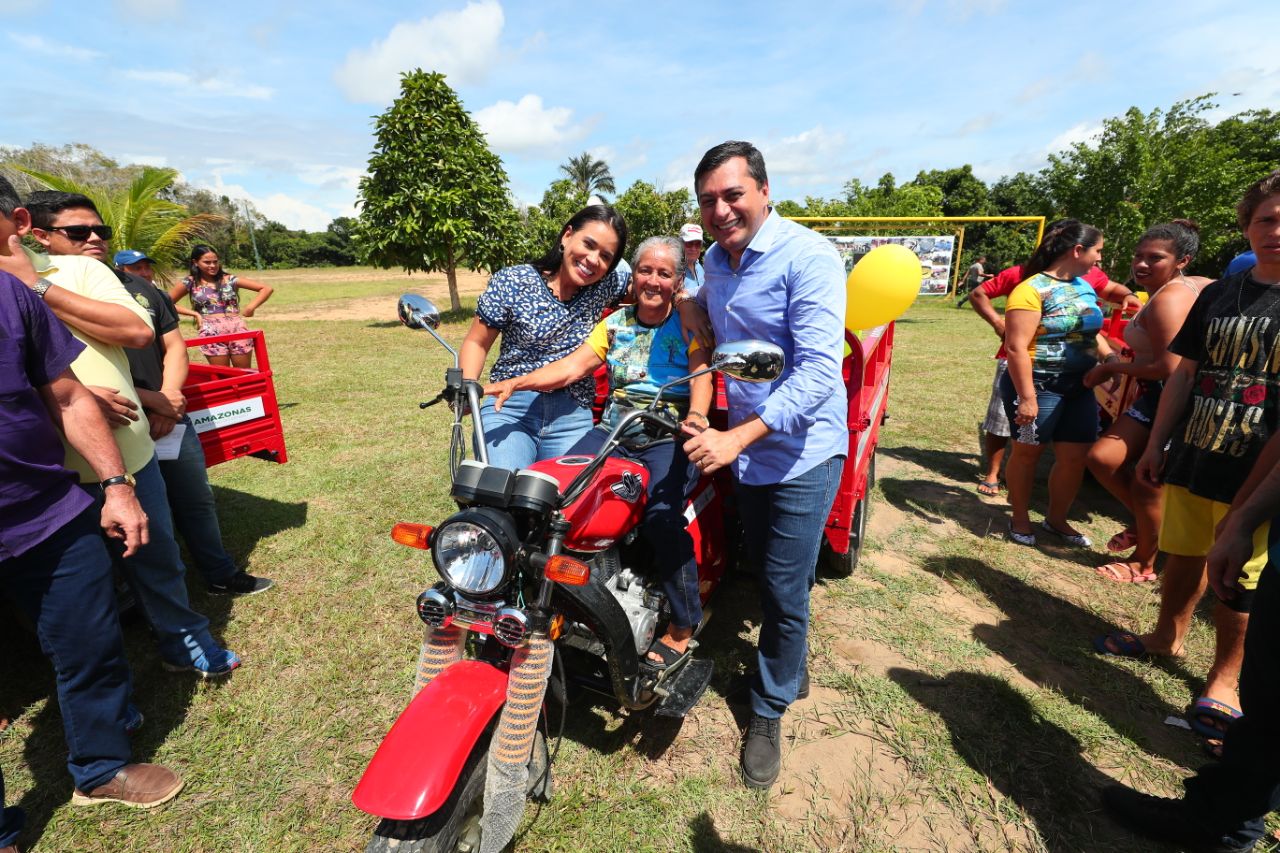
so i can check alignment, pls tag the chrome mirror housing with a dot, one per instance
(749, 360)
(418, 312)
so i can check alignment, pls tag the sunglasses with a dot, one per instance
(80, 233)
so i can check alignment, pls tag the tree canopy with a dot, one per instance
(435, 197)
(142, 215)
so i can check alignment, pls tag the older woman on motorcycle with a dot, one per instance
(643, 348)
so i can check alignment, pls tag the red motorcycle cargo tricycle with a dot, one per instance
(545, 583)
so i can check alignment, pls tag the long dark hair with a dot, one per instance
(549, 263)
(1061, 237)
(198, 251)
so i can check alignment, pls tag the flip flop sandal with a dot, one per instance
(1079, 540)
(1126, 645)
(989, 489)
(1027, 539)
(1122, 541)
(670, 657)
(1214, 711)
(1121, 573)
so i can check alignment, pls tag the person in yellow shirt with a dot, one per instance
(86, 296)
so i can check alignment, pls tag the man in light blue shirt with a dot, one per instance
(771, 279)
(691, 238)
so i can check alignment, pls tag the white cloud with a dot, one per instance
(157, 160)
(1082, 132)
(460, 44)
(149, 8)
(977, 124)
(807, 158)
(200, 85)
(42, 45)
(527, 125)
(330, 176)
(287, 210)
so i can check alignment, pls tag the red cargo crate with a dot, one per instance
(234, 409)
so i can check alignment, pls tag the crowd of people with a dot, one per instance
(1192, 458)
(98, 364)
(94, 367)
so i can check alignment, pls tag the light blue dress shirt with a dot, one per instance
(694, 278)
(789, 289)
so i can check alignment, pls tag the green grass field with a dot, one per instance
(957, 703)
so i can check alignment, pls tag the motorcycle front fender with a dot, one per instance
(420, 759)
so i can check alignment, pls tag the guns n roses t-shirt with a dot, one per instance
(1231, 333)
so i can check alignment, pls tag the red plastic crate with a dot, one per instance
(234, 408)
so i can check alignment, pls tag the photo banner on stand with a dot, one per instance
(934, 254)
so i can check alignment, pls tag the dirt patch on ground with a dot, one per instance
(434, 287)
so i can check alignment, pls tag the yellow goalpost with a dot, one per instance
(834, 223)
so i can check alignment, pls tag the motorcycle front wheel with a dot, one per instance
(454, 828)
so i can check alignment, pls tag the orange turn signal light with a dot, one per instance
(567, 570)
(413, 535)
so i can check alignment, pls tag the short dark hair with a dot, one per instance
(549, 263)
(726, 151)
(1259, 192)
(1062, 236)
(1182, 234)
(45, 205)
(9, 200)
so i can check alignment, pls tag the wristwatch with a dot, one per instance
(41, 285)
(118, 480)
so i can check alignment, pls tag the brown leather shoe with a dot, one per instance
(140, 786)
(12, 848)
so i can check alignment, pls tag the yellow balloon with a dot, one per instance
(881, 286)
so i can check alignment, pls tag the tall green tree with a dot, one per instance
(435, 197)
(142, 215)
(650, 213)
(589, 175)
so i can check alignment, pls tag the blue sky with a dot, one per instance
(272, 101)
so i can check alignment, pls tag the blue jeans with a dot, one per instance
(783, 522)
(11, 819)
(156, 573)
(671, 480)
(532, 426)
(64, 586)
(186, 481)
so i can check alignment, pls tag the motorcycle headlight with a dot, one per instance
(474, 550)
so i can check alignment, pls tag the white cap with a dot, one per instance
(690, 233)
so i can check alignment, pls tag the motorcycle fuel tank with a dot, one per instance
(610, 507)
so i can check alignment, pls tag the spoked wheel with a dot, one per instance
(455, 828)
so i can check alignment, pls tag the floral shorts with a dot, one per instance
(224, 324)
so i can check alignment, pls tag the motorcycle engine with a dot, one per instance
(641, 604)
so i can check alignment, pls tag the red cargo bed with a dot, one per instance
(234, 409)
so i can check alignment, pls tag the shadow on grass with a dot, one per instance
(1029, 759)
(704, 838)
(164, 698)
(1049, 639)
(735, 610)
(256, 518)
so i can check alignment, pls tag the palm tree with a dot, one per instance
(141, 217)
(589, 174)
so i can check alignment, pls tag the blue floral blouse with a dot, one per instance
(537, 328)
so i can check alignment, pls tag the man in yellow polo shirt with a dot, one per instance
(90, 300)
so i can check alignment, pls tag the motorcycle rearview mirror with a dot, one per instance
(418, 312)
(749, 360)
